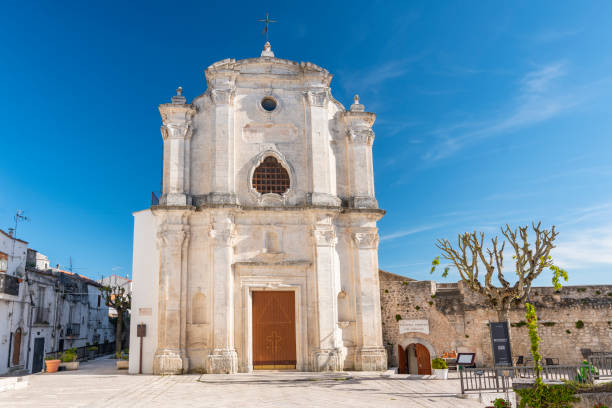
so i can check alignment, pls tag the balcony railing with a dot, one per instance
(9, 284)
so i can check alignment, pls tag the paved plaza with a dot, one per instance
(99, 384)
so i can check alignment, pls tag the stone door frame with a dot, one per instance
(251, 277)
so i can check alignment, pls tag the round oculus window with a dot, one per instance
(268, 103)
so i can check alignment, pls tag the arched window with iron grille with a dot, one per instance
(271, 177)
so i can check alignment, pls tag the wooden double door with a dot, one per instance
(407, 359)
(274, 330)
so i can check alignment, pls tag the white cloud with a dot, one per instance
(585, 248)
(537, 100)
(411, 231)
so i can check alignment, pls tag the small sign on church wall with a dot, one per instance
(414, 326)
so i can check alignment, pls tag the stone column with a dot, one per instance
(323, 189)
(173, 243)
(327, 347)
(370, 353)
(223, 178)
(223, 358)
(176, 132)
(360, 135)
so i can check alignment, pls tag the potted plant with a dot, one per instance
(69, 360)
(440, 368)
(123, 360)
(52, 364)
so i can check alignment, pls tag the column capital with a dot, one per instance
(324, 237)
(176, 114)
(361, 136)
(173, 235)
(366, 239)
(223, 96)
(223, 236)
(317, 97)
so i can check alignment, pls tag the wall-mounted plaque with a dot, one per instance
(145, 311)
(414, 326)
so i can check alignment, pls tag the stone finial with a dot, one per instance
(267, 51)
(179, 99)
(356, 106)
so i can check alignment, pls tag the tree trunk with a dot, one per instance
(119, 330)
(503, 315)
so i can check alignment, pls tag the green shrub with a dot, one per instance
(547, 396)
(68, 356)
(579, 324)
(548, 324)
(519, 324)
(398, 317)
(501, 403)
(417, 307)
(581, 289)
(92, 348)
(430, 303)
(51, 358)
(438, 364)
(568, 331)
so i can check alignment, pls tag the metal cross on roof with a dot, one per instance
(267, 30)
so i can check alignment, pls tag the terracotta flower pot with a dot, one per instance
(52, 365)
(123, 364)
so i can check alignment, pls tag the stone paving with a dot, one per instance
(99, 384)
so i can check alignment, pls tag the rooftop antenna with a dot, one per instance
(71, 268)
(18, 217)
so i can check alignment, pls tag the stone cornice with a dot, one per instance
(358, 119)
(177, 112)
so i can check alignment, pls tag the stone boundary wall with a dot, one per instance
(458, 319)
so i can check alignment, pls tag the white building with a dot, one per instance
(262, 252)
(46, 308)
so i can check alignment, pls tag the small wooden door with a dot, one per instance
(423, 359)
(274, 330)
(401, 356)
(17, 347)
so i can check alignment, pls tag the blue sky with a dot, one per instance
(488, 113)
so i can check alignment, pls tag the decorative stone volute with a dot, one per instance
(324, 237)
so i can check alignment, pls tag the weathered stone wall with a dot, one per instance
(458, 319)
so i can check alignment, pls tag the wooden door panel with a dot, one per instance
(274, 330)
(423, 359)
(401, 354)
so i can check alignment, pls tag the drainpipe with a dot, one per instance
(29, 328)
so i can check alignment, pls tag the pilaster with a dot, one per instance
(370, 354)
(223, 180)
(173, 242)
(176, 132)
(223, 358)
(326, 354)
(323, 189)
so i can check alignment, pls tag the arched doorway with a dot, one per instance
(414, 359)
(17, 347)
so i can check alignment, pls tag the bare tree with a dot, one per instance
(116, 296)
(529, 259)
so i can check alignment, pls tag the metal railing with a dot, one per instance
(500, 379)
(9, 284)
(603, 364)
(87, 352)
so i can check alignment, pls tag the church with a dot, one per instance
(261, 253)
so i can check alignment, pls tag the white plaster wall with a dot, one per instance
(145, 272)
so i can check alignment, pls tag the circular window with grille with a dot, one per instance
(271, 177)
(268, 103)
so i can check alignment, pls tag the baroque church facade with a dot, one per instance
(262, 251)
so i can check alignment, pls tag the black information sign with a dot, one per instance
(500, 341)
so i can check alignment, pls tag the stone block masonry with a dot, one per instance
(571, 322)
